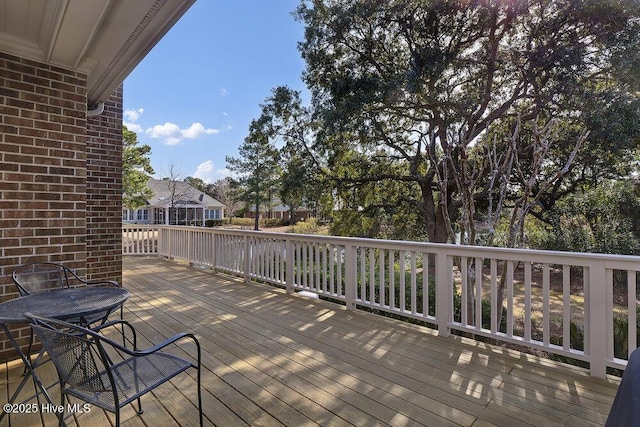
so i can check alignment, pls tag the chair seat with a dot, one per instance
(133, 377)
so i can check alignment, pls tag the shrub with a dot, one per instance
(310, 226)
(270, 222)
(602, 219)
(242, 221)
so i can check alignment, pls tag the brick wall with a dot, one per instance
(104, 191)
(60, 179)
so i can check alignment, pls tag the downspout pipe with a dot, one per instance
(96, 110)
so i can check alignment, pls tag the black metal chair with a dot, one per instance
(47, 276)
(102, 372)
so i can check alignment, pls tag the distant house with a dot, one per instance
(175, 203)
(282, 212)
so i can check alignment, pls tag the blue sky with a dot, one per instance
(193, 96)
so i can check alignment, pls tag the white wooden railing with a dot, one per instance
(139, 239)
(551, 299)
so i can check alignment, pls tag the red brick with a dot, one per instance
(59, 171)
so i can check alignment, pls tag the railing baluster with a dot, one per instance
(372, 276)
(403, 290)
(340, 267)
(478, 305)
(414, 290)
(510, 298)
(363, 279)
(495, 322)
(632, 310)
(392, 279)
(566, 307)
(350, 276)
(425, 284)
(527, 301)
(318, 264)
(546, 335)
(382, 286)
(464, 289)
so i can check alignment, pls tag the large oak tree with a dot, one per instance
(414, 96)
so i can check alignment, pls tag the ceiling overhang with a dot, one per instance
(104, 39)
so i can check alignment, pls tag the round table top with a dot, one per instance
(63, 303)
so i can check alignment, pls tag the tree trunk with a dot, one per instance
(434, 219)
(256, 223)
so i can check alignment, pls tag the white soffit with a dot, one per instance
(104, 39)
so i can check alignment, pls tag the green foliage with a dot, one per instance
(351, 223)
(620, 335)
(310, 226)
(301, 179)
(136, 170)
(535, 234)
(213, 223)
(257, 166)
(198, 184)
(244, 222)
(262, 222)
(270, 222)
(603, 219)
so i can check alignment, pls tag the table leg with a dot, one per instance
(30, 373)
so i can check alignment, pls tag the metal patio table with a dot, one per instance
(63, 304)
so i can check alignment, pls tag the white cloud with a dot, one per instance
(133, 115)
(133, 127)
(172, 134)
(223, 91)
(163, 131)
(196, 129)
(207, 172)
(130, 117)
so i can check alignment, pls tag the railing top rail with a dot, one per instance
(512, 254)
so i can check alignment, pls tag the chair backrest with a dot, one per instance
(40, 277)
(77, 355)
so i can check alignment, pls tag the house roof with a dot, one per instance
(285, 208)
(181, 193)
(104, 39)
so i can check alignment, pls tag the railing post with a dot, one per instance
(247, 253)
(161, 242)
(350, 276)
(214, 241)
(597, 305)
(289, 260)
(444, 293)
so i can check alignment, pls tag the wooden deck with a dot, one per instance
(275, 359)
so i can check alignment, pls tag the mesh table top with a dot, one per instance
(63, 303)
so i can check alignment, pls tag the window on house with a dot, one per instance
(143, 215)
(127, 215)
(212, 214)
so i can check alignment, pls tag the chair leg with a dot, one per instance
(199, 396)
(24, 372)
(61, 414)
(140, 410)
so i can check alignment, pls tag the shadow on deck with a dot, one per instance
(275, 359)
